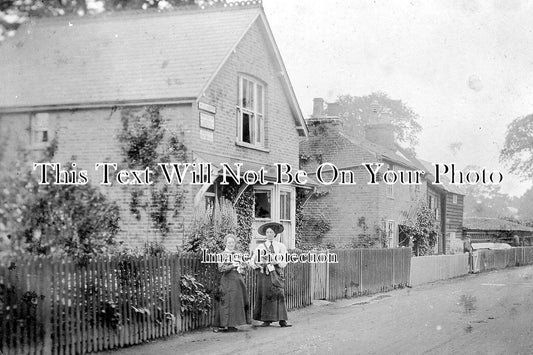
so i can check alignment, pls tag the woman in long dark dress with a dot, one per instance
(270, 293)
(234, 305)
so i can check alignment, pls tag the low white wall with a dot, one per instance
(438, 267)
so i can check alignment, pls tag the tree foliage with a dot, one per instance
(485, 200)
(525, 207)
(356, 112)
(76, 220)
(517, 151)
(210, 226)
(423, 231)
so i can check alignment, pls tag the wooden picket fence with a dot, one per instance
(432, 268)
(362, 271)
(486, 260)
(55, 306)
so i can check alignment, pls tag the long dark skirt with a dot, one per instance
(269, 300)
(234, 305)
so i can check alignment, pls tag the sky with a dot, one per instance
(466, 67)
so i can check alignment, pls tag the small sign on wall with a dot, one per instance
(207, 120)
(206, 134)
(206, 107)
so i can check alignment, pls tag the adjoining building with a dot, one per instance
(344, 215)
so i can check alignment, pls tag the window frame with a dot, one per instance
(270, 191)
(288, 200)
(257, 112)
(36, 127)
(210, 200)
(390, 187)
(390, 232)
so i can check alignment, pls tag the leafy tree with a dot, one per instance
(357, 112)
(517, 151)
(423, 231)
(525, 207)
(76, 220)
(486, 200)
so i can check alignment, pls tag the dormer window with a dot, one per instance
(250, 112)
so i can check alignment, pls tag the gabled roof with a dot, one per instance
(397, 156)
(446, 183)
(125, 57)
(493, 224)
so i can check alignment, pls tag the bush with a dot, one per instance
(76, 220)
(194, 298)
(423, 232)
(211, 225)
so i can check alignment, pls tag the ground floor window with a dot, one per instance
(390, 233)
(275, 203)
(403, 238)
(262, 203)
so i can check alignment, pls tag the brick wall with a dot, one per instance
(347, 207)
(251, 57)
(87, 137)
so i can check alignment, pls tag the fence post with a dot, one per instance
(176, 291)
(393, 278)
(360, 271)
(47, 305)
(327, 276)
(312, 271)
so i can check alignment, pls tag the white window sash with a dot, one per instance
(256, 113)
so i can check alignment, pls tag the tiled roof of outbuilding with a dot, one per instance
(493, 224)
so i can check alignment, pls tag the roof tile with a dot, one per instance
(136, 56)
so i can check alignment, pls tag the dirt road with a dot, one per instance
(490, 313)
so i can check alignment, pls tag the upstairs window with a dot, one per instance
(250, 112)
(390, 187)
(40, 130)
(454, 199)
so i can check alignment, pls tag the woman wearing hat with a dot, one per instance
(234, 305)
(270, 294)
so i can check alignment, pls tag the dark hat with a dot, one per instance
(275, 226)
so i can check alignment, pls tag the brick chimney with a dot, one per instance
(322, 122)
(379, 129)
(318, 107)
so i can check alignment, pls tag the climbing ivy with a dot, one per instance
(423, 230)
(146, 142)
(375, 237)
(244, 207)
(299, 216)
